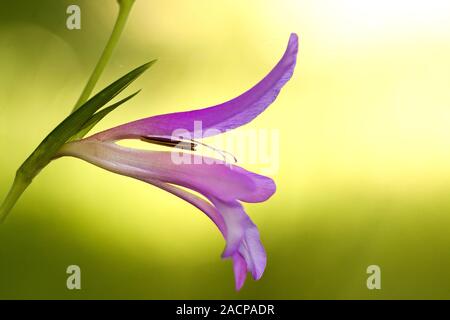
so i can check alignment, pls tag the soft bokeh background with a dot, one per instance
(364, 156)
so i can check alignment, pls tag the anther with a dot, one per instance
(186, 145)
(170, 142)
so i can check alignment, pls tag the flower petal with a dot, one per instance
(253, 250)
(250, 246)
(242, 236)
(219, 118)
(240, 270)
(207, 176)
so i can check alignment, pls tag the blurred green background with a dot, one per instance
(364, 156)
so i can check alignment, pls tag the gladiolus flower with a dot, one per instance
(222, 185)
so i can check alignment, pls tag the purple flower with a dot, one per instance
(223, 185)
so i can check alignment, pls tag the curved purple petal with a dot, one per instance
(240, 270)
(217, 119)
(243, 243)
(211, 176)
(253, 250)
(250, 246)
(220, 184)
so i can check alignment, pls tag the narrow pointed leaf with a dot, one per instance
(74, 122)
(98, 116)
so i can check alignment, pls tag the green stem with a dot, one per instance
(124, 11)
(25, 174)
(18, 187)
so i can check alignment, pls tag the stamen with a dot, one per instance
(185, 145)
(170, 142)
(223, 153)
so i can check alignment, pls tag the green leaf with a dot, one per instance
(73, 123)
(98, 116)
